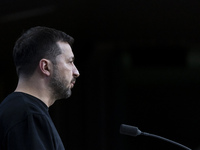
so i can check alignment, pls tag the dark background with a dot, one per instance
(139, 62)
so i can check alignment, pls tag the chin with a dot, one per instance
(63, 94)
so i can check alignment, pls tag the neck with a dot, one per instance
(36, 88)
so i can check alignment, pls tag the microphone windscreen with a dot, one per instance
(129, 130)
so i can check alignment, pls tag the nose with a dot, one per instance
(76, 73)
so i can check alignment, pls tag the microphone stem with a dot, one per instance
(165, 139)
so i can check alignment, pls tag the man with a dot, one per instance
(45, 66)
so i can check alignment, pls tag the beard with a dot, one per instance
(58, 86)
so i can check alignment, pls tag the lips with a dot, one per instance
(73, 82)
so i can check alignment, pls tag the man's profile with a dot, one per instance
(45, 66)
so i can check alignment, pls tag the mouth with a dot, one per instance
(73, 83)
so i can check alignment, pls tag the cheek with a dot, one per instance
(68, 74)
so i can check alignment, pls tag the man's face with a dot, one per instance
(64, 72)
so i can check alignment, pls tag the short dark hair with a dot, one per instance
(35, 44)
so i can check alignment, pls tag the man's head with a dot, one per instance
(35, 44)
(41, 45)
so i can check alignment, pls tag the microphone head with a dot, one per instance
(129, 130)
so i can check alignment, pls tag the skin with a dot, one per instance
(65, 73)
(50, 82)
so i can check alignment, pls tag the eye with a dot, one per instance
(71, 62)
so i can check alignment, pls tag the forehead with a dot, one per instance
(65, 49)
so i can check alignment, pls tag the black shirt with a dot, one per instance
(25, 124)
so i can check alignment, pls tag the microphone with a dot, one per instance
(134, 131)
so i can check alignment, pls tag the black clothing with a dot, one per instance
(25, 124)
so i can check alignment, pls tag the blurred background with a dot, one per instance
(139, 62)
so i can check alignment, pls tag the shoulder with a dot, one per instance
(13, 105)
(22, 104)
(17, 107)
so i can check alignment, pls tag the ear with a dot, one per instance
(45, 67)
